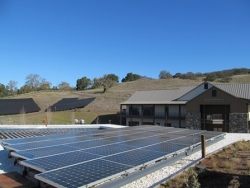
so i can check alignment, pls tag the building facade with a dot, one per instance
(222, 107)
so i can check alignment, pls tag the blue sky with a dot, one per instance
(64, 40)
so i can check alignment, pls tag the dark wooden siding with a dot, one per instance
(222, 98)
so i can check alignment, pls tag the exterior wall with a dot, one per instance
(197, 91)
(183, 109)
(238, 122)
(222, 98)
(193, 120)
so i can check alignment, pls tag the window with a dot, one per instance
(214, 94)
(206, 86)
(133, 111)
(148, 111)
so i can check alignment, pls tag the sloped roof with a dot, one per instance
(237, 90)
(166, 96)
(169, 96)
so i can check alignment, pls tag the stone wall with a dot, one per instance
(193, 120)
(238, 122)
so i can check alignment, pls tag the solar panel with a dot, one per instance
(85, 174)
(136, 157)
(39, 138)
(89, 144)
(63, 165)
(109, 149)
(165, 147)
(13, 106)
(42, 152)
(58, 161)
(71, 103)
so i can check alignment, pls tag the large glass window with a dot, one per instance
(148, 111)
(133, 110)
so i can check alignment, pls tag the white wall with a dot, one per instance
(197, 91)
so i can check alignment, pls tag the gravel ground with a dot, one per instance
(159, 176)
(153, 179)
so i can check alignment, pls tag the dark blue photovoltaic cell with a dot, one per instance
(190, 140)
(135, 157)
(89, 144)
(82, 174)
(59, 161)
(140, 142)
(165, 147)
(47, 143)
(41, 138)
(110, 149)
(43, 152)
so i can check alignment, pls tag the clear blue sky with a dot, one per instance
(64, 40)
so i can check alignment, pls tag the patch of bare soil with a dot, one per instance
(228, 168)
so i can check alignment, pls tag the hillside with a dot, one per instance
(104, 104)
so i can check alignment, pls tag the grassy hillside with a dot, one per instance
(104, 104)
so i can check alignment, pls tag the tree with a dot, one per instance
(107, 81)
(3, 90)
(45, 85)
(177, 75)
(191, 76)
(24, 89)
(83, 83)
(165, 75)
(64, 86)
(12, 86)
(33, 81)
(210, 77)
(225, 79)
(131, 77)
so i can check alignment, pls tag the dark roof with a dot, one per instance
(237, 90)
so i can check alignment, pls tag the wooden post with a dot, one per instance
(203, 146)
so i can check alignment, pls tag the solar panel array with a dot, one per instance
(78, 159)
(10, 133)
(14, 106)
(70, 103)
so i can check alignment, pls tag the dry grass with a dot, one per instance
(222, 170)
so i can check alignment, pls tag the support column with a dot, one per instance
(142, 114)
(121, 114)
(179, 116)
(130, 112)
(153, 114)
(166, 114)
(204, 117)
(225, 118)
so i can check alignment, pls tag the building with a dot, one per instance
(213, 107)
